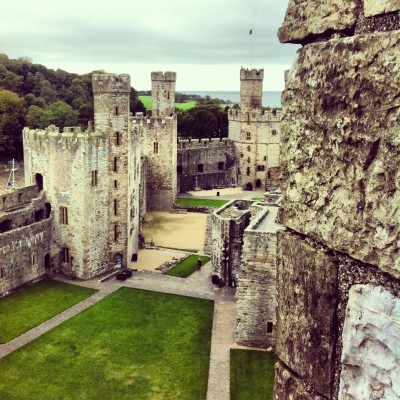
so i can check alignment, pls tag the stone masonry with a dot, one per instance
(25, 238)
(255, 132)
(338, 264)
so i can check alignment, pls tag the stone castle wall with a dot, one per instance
(25, 239)
(66, 161)
(338, 307)
(255, 294)
(205, 164)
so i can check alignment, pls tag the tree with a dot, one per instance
(60, 114)
(33, 117)
(203, 121)
(12, 111)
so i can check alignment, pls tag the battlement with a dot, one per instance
(265, 115)
(71, 136)
(251, 74)
(149, 121)
(163, 76)
(187, 144)
(114, 83)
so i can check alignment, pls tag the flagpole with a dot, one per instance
(251, 48)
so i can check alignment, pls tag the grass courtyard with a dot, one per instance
(23, 310)
(186, 267)
(191, 202)
(252, 374)
(134, 344)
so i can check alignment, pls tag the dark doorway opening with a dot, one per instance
(47, 262)
(39, 181)
(249, 186)
(258, 183)
(118, 260)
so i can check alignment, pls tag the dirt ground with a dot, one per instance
(150, 259)
(181, 231)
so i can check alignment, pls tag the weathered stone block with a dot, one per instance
(288, 386)
(340, 150)
(376, 7)
(371, 350)
(306, 310)
(306, 20)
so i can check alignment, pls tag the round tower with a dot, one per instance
(163, 93)
(251, 88)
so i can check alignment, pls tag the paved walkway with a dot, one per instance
(197, 285)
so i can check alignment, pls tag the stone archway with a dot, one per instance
(258, 183)
(39, 182)
(118, 260)
(249, 186)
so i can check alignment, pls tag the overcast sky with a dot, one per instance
(204, 41)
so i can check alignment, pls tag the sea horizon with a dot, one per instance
(270, 98)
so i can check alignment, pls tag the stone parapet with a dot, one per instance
(338, 163)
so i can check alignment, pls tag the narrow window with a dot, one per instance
(116, 110)
(265, 158)
(33, 259)
(155, 147)
(274, 132)
(94, 178)
(64, 215)
(248, 136)
(20, 197)
(200, 168)
(115, 167)
(221, 165)
(239, 171)
(270, 327)
(248, 160)
(115, 232)
(248, 171)
(241, 155)
(65, 255)
(115, 184)
(4, 200)
(117, 138)
(115, 207)
(248, 148)
(1, 273)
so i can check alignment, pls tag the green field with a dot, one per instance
(187, 266)
(191, 202)
(134, 344)
(23, 310)
(146, 100)
(252, 374)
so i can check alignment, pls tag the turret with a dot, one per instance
(251, 89)
(163, 93)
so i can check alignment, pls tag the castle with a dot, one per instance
(89, 190)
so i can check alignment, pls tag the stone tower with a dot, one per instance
(161, 143)
(163, 93)
(251, 89)
(111, 109)
(254, 131)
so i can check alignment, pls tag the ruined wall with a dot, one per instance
(25, 244)
(228, 225)
(255, 294)
(339, 263)
(205, 164)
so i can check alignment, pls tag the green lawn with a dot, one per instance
(134, 344)
(187, 266)
(146, 100)
(35, 304)
(191, 202)
(252, 374)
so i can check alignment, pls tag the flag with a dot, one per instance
(251, 32)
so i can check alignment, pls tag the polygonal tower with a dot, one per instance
(251, 89)
(161, 143)
(163, 93)
(111, 111)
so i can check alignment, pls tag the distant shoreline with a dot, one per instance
(270, 98)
